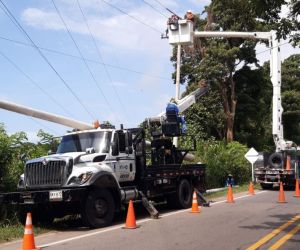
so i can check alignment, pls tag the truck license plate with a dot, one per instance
(55, 195)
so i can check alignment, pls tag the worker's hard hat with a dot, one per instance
(189, 11)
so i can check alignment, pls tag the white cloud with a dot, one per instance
(118, 31)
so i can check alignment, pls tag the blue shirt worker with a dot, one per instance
(229, 181)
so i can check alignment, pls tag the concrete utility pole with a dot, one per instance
(44, 115)
(177, 91)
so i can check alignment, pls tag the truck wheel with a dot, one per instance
(276, 160)
(99, 208)
(184, 194)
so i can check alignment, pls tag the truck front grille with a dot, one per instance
(51, 173)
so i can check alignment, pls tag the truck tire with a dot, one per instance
(276, 160)
(98, 209)
(183, 196)
(266, 186)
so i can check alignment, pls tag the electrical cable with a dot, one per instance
(155, 9)
(82, 57)
(272, 48)
(87, 59)
(34, 82)
(42, 125)
(101, 58)
(19, 26)
(132, 17)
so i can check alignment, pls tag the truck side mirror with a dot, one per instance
(114, 149)
(23, 158)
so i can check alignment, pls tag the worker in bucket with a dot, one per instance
(189, 16)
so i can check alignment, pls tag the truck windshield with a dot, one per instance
(99, 140)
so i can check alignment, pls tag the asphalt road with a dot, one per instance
(252, 222)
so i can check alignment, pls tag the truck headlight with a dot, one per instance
(80, 179)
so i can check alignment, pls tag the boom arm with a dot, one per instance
(44, 115)
(189, 100)
(185, 35)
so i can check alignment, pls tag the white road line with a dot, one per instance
(138, 222)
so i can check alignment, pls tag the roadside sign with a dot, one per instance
(252, 155)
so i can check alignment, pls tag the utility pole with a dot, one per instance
(177, 91)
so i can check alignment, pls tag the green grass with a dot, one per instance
(239, 189)
(10, 232)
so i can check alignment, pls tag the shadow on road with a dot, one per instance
(270, 224)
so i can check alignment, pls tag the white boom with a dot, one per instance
(185, 32)
(44, 115)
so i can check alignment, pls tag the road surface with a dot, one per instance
(252, 222)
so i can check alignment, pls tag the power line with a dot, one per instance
(155, 9)
(101, 57)
(33, 82)
(87, 59)
(81, 55)
(132, 17)
(19, 26)
(42, 125)
(279, 45)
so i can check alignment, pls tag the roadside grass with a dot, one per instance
(10, 232)
(223, 193)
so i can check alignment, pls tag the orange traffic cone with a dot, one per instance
(28, 239)
(251, 189)
(230, 195)
(288, 163)
(281, 198)
(130, 219)
(195, 207)
(297, 190)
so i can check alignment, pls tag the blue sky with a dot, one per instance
(118, 93)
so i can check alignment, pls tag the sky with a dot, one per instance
(114, 67)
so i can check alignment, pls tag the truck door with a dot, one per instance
(124, 164)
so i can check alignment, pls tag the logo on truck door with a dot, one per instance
(123, 167)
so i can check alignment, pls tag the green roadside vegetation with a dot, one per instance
(236, 190)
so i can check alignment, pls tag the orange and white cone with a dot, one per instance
(195, 207)
(297, 190)
(281, 197)
(130, 219)
(28, 239)
(230, 195)
(251, 189)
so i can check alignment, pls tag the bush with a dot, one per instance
(223, 159)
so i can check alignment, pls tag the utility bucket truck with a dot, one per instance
(95, 172)
(281, 166)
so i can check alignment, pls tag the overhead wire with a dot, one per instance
(132, 17)
(154, 8)
(279, 45)
(19, 26)
(81, 55)
(34, 83)
(101, 58)
(87, 59)
(42, 125)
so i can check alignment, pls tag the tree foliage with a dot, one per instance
(12, 148)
